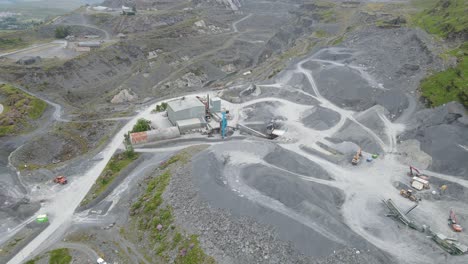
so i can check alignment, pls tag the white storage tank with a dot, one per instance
(215, 104)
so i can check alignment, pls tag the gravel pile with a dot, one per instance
(238, 239)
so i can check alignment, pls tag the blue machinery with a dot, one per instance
(223, 125)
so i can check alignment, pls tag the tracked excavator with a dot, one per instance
(357, 157)
(416, 173)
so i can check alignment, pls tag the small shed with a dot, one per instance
(189, 124)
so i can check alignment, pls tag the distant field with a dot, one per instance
(41, 9)
(46, 4)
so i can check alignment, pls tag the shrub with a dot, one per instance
(141, 125)
(62, 32)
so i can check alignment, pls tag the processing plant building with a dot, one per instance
(185, 108)
(187, 115)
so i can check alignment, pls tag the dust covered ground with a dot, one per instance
(294, 199)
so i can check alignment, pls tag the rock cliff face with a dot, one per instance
(232, 4)
(302, 21)
(79, 79)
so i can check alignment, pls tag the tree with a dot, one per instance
(62, 31)
(141, 125)
(129, 151)
(162, 107)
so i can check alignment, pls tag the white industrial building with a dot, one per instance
(189, 124)
(185, 108)
(91, 44)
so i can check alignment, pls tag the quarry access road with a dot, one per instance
(234, 25)
(61, 209)
(58, 114)
(33, 48)
(363, 186)
(232, 37)
(58, 111)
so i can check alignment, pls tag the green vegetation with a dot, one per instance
(101, 18)
(62, 31)
(194, 254)
(32, 261)
(155, 221)
(7, 43)
(38, 11)
(172, 160)
(392, 23)
(141, 125)
(449, 85)
(337, 40)
(12, 244)
(18, 39)
(321, 34)
(19, 109)
(116, 164)
(162, 107)
(327, 16)
(17, 24)
(60, 256)
(446, 19)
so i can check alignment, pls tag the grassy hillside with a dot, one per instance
(116, 164)
(18, 39)
(447, 19)
(155, 223)
(19, 109)
(449, 85)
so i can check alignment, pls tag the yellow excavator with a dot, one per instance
(357, 157)
(408, 194)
